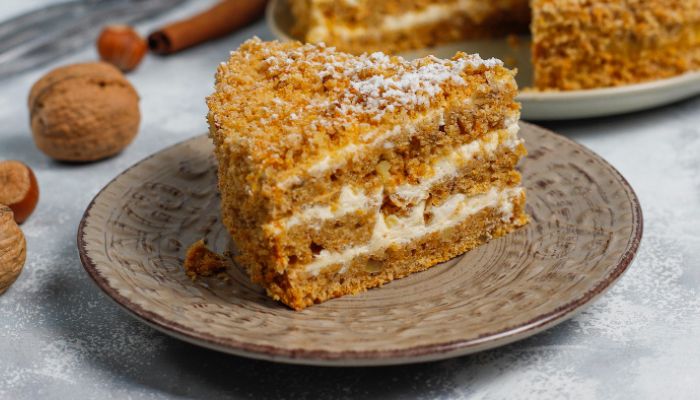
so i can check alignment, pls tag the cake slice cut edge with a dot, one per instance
(340, 173)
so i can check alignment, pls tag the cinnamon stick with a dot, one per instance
(220, 20)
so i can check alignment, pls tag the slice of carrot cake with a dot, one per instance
(339, 173)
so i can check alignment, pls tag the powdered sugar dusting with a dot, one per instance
(375, 84)
(379, 94)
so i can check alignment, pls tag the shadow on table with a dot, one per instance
(240, 377)
(130, 354)
(204, 373)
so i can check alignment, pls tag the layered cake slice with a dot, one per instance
(339, 173)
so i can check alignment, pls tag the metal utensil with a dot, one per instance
(41, 36)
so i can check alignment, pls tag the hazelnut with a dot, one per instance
(18, 189)
(121, 46)
(13, 249)
(83, 112)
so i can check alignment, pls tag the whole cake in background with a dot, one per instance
(357, 26)
(577, 44)
(339, 173)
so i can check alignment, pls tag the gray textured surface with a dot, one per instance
(60, 337)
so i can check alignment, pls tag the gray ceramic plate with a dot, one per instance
(539, 105)
(586, 227)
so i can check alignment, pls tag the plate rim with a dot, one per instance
(416, 354)
(624, 90)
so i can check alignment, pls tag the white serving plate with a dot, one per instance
(539, 105)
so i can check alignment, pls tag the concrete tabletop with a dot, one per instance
(62, 338)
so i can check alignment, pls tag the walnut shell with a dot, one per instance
(83, 112)
(13, 249)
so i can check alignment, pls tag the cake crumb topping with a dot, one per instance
(291, 102)
(373, 84)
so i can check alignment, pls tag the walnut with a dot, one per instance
(83, 112)
(13, 249)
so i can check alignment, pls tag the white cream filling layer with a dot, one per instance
(342, 155)
(450, 165)
(349, 201)
(477, 10)
(353, 200)
(401, 230)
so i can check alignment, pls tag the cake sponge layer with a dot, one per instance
(349, 220)
(376, 266)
